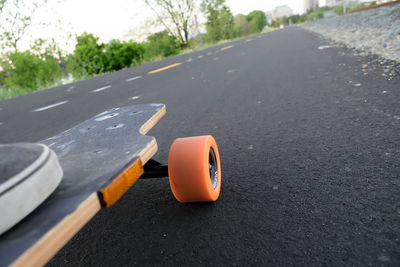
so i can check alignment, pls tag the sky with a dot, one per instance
(121, 19)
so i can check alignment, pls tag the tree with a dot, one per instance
(294, 19)
(220, 23)
(27, 72)
(257, 20)
(242, 27)
(176, 16)
(88, 57)
(339, 9)
(161, 44)
(121, 55)
(2, 3)
(49, 47)
(15, 18)
(313, 15)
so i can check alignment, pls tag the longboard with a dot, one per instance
(101, 158)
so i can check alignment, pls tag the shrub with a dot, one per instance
(339, 9)
(241, 26)
(317, 14)
(257, 21)
(88, 57)
(161, 44)
(220, 22)
(27, 72)
(121, 55)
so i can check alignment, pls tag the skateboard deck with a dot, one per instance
(101, 158)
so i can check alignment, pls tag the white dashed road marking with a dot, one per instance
(50, 106)
(209, 53)
(322, 47)
(101, 89)
(190, 60)
(200, 56)
(133, 78)
(135, 97)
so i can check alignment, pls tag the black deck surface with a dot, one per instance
(91, 154)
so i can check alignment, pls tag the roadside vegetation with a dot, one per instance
(45, 65)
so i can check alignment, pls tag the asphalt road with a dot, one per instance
(310, 151)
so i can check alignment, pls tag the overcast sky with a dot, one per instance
(114, 19)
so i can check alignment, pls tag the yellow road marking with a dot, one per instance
(165, 68)
(226, 47)
(249, 40)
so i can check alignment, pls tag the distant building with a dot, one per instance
(310, 5)
(282, 11)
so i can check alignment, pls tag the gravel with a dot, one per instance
(374, 31)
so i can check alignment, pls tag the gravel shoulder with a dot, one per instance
(374, 31)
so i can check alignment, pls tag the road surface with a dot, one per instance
(310, 150)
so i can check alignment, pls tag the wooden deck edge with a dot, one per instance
(152, 121)
(43, 250)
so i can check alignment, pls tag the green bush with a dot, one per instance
(241, 26)
(325, 8)
(119, 55)
(317, 14)
(91, 58)
(161, 44)
(88, 57)
(220, 22)
(25, 72)
(339, 9)
(257, 21)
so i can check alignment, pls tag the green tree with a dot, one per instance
(48, 47)
(27, 72)
(242, 27)
(2, 3)
(317, 14)
(294, 19)
(15, 19)
(121, 55)
(88, 57)
(339, 9)
(220, 22)
(257, 20)
(161, 44)
(176, 16)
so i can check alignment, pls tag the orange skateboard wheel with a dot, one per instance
(194, 169)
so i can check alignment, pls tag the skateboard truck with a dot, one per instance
(154, 169)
